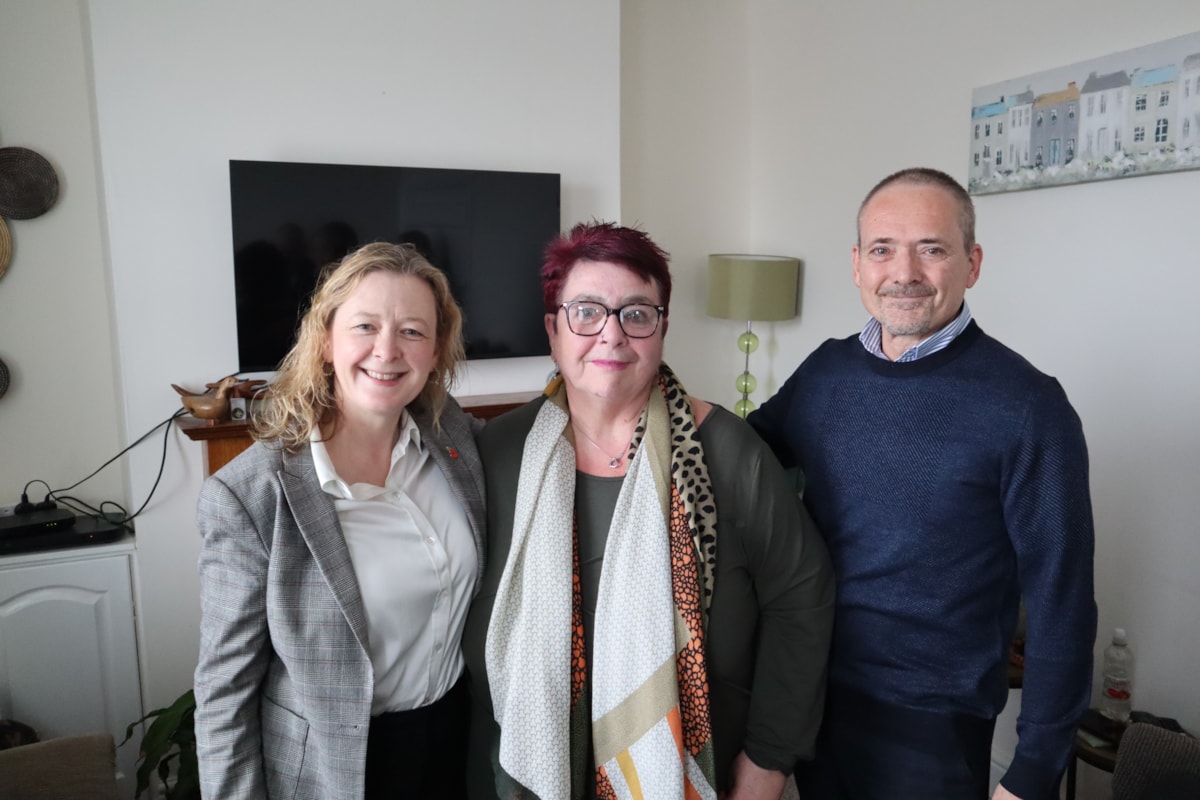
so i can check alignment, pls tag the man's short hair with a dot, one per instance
(925, 176)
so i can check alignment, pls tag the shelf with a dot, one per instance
(198, 430)
(224, 441)
(487, 406)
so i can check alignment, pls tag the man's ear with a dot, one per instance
(854, 265)
(975, 257)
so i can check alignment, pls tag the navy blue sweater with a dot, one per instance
(949, 489)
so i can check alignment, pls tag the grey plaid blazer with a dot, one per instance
(284, 682)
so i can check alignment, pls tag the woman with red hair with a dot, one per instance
(656, 610)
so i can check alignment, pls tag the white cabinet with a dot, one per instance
(68, 647)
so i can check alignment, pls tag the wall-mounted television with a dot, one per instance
(485, 229)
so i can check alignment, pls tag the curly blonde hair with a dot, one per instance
(302, 396)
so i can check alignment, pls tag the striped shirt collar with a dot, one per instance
(872, 338)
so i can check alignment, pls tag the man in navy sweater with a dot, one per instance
(950, 479)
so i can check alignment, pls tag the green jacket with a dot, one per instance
(771, 613)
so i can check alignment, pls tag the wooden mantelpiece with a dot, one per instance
(486, 406)
(222, 442)
(225, 440)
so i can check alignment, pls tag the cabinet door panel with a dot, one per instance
(68, 650)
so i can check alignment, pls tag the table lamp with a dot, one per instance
(761, 288)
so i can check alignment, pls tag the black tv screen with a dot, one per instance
(485, 229)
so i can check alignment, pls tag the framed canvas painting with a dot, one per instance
(1131, 113)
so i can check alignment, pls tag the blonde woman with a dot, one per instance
(341, 552)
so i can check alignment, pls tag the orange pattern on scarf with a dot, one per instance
(578, 654)
(691, 668)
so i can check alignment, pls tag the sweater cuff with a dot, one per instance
(1032, 780)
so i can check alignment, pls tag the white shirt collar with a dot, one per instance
(331, 483)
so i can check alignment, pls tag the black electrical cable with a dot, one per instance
(162, 462)
(25, 507)
(86, 509)
(77, 505)
(95, 472)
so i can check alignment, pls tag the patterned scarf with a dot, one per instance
(649, 723)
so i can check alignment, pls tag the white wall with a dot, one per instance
(182, 88)
(59, 420)
(685, 166)
(1092, 282)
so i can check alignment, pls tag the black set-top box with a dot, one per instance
(50, 529)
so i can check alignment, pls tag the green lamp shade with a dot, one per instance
(745, 287)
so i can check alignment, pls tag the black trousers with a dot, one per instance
(420, 754)
(868, 750)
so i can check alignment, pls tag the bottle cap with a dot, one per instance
(1119, 636)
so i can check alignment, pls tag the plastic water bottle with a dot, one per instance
(1116, 698)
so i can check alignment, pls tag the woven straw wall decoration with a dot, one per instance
(5, 248)
(28, 184)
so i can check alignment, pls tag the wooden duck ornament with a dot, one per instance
(247, 389)
(212, 405)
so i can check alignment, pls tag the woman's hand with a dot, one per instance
(752, 782)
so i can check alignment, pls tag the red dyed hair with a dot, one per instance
(603, 241)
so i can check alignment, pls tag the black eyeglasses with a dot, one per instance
(637, 320)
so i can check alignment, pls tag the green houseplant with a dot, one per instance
(169, 745)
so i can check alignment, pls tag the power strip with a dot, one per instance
(31, 523)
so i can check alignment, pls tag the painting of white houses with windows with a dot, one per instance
(1127, 114)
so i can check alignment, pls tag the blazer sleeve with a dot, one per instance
(235, 648)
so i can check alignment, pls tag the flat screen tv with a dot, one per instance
(485, 229)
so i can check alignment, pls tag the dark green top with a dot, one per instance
(595, 500)
(772, 607)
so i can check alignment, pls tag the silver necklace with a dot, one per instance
(615, 461)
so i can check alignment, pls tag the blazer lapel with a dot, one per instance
(453, 450)
(315, 516)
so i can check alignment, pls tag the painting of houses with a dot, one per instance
(1127, 114)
